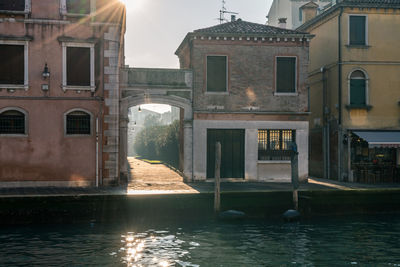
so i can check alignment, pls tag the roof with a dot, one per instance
(351, 3)
(244, 27)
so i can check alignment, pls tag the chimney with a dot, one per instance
(233, 18)
(308, 11)
(282, 23)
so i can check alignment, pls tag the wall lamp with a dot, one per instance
(46, 72)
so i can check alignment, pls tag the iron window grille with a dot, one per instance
(78, 123)
(12, 5)
(12, 122)
(275, 144)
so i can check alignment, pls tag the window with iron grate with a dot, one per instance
(12, 5)
(12, 122)
(275, 144)
(78, 123)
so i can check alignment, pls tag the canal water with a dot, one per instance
(367, 240)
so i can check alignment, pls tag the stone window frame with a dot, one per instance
(78, 135)
(28, 9)
(24, 86)
(295, 93)
(366, 30)
(64, 11)
(226, 92)
(23, 111)
(66, 87)
(366, 77)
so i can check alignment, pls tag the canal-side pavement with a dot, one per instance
(154, 199)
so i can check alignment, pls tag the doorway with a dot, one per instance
(232, 152)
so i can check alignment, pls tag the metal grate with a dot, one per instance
(78, 122)
(275, 144)
(12, 122)
(12, 5)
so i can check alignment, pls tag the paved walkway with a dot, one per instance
(158, 179)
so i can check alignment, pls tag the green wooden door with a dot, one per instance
(232, 156)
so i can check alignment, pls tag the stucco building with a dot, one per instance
(354, 88)
(294, 11)
(59, 63)
(250, 94)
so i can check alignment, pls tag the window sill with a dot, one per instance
(14, 135)
(286, 94)
(79, 88)
(14, 12)
(366, 107)
(76, 135)
(216, 93)
(358, 46)
(12, 87)
(274, 162)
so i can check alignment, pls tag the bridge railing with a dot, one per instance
(157, 78)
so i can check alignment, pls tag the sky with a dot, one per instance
(155, 28)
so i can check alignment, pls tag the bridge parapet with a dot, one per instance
(171, 82)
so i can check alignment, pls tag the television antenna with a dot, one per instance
(224, 11)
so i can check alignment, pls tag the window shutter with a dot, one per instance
(357, 92)
(286, 75)
(216, 74)
(78, 66)
(12, 64)
(357, 30)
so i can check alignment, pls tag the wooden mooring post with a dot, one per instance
(217, 175)
(295, 176)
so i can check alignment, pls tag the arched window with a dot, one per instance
(78, 123)
(358, 88)
(12, 122)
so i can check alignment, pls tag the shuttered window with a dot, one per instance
(78, 6)
(12, 64)
(78, 66)
(358, 89)
(216, 74)
(12, 5)
(285, 74)
(357, 30)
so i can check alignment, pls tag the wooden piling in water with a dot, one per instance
(217, 175)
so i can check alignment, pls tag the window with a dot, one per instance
(275, 144)
(12, 122)
(81, 7)
(78, 66)
(78, 123)
(14, 64)
(217, 74)
(358, 82)
(12, 5)
(300, 14)
(357, 30)
(285, 75)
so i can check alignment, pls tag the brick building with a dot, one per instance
(249, 93)
(59, 63)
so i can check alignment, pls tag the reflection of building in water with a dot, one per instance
(138, 120)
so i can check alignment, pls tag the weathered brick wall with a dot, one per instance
(251, 75)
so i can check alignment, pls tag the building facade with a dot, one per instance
(292, 11)
(354, 88)
(58, 69)
(250, 94)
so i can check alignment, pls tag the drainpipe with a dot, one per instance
(340, 135)
(97, 151)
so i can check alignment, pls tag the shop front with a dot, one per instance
(375, 156)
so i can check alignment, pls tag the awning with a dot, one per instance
(380, 138)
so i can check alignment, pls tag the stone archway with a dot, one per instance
(175, 101)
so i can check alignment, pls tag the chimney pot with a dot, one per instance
(282, 23)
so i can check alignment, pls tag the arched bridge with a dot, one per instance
(157, 86)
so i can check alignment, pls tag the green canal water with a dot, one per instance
(342, 241)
